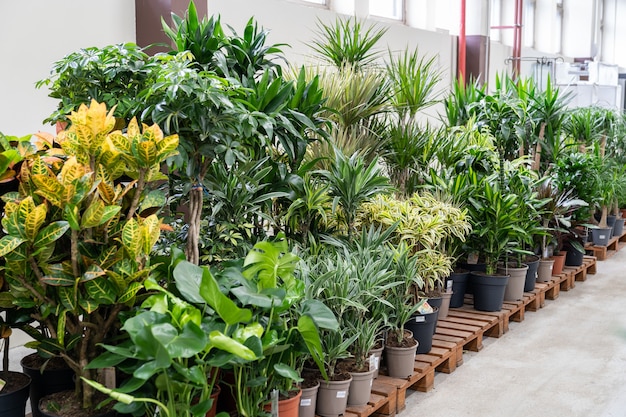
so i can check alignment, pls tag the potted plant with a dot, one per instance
(329, 279)
(494, 214)
(77, 242)
(286, 325)
(172, 344)
(556, 219)
(400, 346)
(368, 276)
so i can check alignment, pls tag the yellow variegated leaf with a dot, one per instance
(84, 137)
(155, 174)
(152, 133)
(146, 154)
(117, 280)
(26, 207)
(133, 130)
(72, 170)
(38, 168)
(93, 215)
(49, 188)
(152, 231)
(34, 220)
(168, 146)
(11, 223)
(61, 328)
(128, 297)
(131, 237)
(68, 193)
(107, 192)
(67, 296)
(121, 142)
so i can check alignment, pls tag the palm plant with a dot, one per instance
(347, 42)
(548, 111)
(494, 213)
(352, 183)
(413, 80)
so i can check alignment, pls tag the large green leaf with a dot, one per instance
(211, 294)
(310, 335)
(287, 371)
(220, 341)
(190, 341)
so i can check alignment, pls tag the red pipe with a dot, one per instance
(462, 46)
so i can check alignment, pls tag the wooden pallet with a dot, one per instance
(550, 289)
(382, 402)
(566, 280)
(537, 299)
(604, 252)
(399, 386)
(579, 273)
(590, 264)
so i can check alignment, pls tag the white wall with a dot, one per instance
(34, 34)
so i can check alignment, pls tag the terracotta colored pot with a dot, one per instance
(289, 407)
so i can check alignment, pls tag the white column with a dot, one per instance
(545, 24)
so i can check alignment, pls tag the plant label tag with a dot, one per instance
(420, 319)
(306, 402)
(602, 236)
(449, 285)
(341, 394)
(373, 362)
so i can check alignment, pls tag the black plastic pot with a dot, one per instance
(574, 257)
(422, 326)
(51, 380)
(531, 274)
(479, 267)
(459, 283)
(13, 402)
(435, 303)
(488, 290)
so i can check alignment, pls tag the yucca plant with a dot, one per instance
(347, 42)
(351, 183)
(78, 239)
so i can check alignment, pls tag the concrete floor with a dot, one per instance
(567, 359)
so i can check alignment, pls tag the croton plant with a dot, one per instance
(79, 232)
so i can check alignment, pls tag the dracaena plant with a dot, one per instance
(78, 240)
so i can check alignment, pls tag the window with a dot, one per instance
(391, 9)
(558, 28)
(529, 24)
(495, 34)
(316, 1)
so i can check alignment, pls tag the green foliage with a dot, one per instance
(347, 43)
(113, 74)
(413, 80)
(76, 251)
(352, 183)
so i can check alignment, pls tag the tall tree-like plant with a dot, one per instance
(233, 109)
